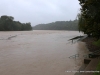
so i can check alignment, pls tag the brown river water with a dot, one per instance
(40, 52)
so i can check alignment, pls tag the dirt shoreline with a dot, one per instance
(89, 43)
(91, 48)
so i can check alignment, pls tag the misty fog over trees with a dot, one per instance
(58, 25)
(7, 23)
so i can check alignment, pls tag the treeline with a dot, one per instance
(58, 25)
(7, 23)
(89, 18)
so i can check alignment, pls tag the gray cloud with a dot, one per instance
(40, 11)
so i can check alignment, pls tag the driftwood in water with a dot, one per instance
(11, 37)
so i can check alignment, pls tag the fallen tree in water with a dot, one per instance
(77, 37)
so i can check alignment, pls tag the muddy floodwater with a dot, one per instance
(40, 52)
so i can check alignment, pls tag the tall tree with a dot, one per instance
(7, 23)
(90, 10)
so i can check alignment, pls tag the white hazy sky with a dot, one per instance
(40, 11)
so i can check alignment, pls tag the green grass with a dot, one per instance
(97, 43)
(97, 69)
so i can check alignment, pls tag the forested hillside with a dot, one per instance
(58, 25)
(7, 23)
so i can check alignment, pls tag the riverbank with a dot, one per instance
(89, 43)
(93, 62)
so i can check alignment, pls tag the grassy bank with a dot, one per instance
(97, 69)
(92, 44)
(97, 43)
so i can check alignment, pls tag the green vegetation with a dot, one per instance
(98, 69)
(58, 25)
(97, 43)
(7, 23)
(89, 18)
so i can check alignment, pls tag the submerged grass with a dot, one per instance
(97, 69)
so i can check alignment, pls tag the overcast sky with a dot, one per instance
(40, 11)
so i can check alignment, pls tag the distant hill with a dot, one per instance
(58, 25)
